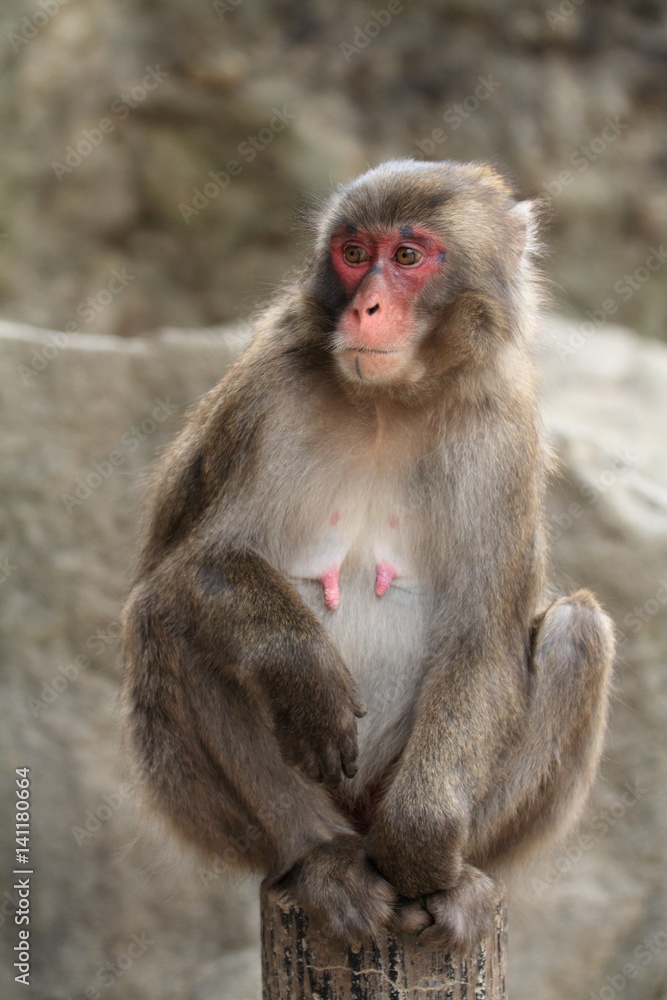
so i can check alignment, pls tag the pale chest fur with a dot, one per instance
(353, 545)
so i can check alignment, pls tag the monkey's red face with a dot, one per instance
(383, 274)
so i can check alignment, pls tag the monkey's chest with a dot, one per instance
(368, 553)
(363, 576)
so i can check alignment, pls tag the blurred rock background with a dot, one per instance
(156, 166)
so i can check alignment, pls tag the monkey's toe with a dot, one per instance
(340, 888)
(462, 916)
(412, 916)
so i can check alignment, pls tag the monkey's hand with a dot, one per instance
(258, 625)
(314, 704)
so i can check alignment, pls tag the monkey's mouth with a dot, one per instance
(368, 350)
(369, 364)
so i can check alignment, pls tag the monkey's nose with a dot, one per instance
(360, 314)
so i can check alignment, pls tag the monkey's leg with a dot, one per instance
(548, 775)
(551, 772)
(205, 746)
(232, 792)
(479, 801)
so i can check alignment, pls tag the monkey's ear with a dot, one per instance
(525, 226)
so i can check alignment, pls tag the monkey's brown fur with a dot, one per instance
(486, 708)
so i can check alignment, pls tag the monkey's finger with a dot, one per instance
(292, 754)
(310, 766)
(331, 768)
(295, 753)
(349, 752)
(412, 916)
(359, 706)
(356, 702)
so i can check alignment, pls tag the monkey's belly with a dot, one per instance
(381, 639)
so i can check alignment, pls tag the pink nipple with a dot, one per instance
(385, 573)
(330, 581)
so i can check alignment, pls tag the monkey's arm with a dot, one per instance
(236, 613)
(208, 604)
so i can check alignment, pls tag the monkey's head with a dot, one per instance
(421, 268)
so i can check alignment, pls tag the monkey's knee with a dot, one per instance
(573, 641)
(573, 651)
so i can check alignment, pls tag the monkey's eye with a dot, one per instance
(407, 256)
(354, 255)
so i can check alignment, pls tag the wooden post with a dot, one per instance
(296, 966)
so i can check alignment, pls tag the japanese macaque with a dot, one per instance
(343, 667)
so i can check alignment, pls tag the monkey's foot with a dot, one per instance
(412, 916)
(337, 885)
(458, 919)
